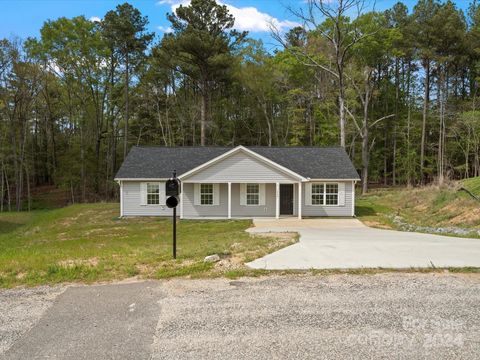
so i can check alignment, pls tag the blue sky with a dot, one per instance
(24, 18)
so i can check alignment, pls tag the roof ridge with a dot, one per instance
(232, 147)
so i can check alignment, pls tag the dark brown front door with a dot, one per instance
(286, 199)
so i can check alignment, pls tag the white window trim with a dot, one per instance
(325, 194)
(161, 194)
(246, 194)
(213, 194)
(153, 193)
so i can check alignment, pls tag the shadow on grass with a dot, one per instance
(7, 226)
(365, 210)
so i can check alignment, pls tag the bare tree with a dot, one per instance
(334, 21)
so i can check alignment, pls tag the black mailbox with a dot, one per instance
(172, 187)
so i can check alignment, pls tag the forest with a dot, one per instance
(397, 89)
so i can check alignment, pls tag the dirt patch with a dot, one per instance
(229, 263)
(70, 263)
(21, 275)
(376, 224)
(468, 217)
(279, 236)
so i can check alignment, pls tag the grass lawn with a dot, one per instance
(427, 206)
(473, 184)
(90, 243)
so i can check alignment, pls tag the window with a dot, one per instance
(206, 194)
(253, 194)
(324, 194)
(153, 194)
(317, 194)
(331, 194)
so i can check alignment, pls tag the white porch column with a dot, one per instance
(121, 198)
(181, 200)
(299, 200)
(229, 200)
(277, 200)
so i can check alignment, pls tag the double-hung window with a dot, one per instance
(324, 194)
(153, 194)
(206, 194)
(331, 194)
(253, 194)
(317, 194)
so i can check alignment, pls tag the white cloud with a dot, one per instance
(246, 18)
(165, 29)
(95, 19)
(250, 19)
(173, 3)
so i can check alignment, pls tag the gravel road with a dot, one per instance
(20, 309)
(383, 316)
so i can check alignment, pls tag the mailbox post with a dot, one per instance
(172, 190)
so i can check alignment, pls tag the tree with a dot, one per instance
(125, 31)
(368, 54)
(201, 45)
(338, 30)
(425, 27)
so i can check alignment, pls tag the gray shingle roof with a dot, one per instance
(310, 162)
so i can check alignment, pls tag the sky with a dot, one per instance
(24, 18)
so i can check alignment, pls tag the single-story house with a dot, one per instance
(239, 182)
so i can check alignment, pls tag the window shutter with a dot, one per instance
(243, 194)
(308, 194)
(161, 193)
(261, 194)
(216, 194)
(143, 193)
(341, 194)
(196, 194)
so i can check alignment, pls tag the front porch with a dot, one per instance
(240, 200)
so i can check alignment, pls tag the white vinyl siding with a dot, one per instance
(345, 196)
(134, 200)
(240, 167)
(325, 194)
(206, 194)
(131, 202)
(152, 193)
(191, 202)
(252, 194)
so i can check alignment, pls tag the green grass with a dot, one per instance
(88, 243)
(426, 206)
(473, 185)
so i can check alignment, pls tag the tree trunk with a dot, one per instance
(341, 105)
(441, 132)
(2, 194)
(127, 79)
(29, 198)
(397, 99)
(203, 115)
(424, 119)
(365, 135)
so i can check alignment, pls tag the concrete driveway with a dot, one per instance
(348, 244)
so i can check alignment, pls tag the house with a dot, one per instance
(240, 182)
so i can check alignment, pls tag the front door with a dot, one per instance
(286, 199)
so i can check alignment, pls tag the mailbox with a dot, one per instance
(172, 187)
